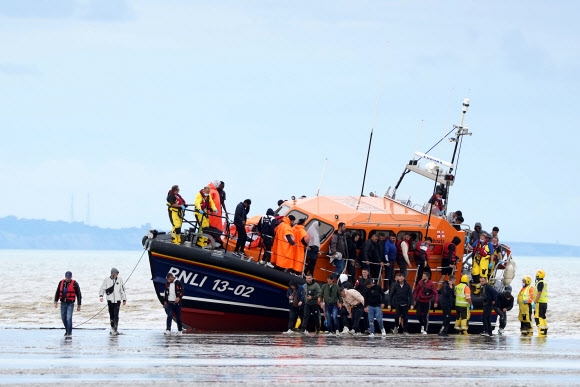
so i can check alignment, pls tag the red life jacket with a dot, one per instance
(480, 249)
(446, 252)
(70, 291)
(400, 249)
(422, 254)
(178, 198)
(204, 205)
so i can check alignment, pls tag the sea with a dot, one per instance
(33, 350)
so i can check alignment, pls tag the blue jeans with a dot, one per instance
(339, 264)
(375, 312)
(66, 312)
(331, 317)
(173, 308)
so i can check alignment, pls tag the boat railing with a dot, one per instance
(391, 224)
(196, 231)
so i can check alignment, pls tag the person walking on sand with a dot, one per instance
(172, 304)
(114, 288)
(66, 292)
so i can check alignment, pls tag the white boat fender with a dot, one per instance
(509, 272)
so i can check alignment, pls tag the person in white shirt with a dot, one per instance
(114, 290)
(172, 304)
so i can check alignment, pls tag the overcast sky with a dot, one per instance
(120, 100)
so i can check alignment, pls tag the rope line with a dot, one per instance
(103, 308)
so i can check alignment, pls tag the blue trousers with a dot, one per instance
(331, 317)
(171, 309)
(339, 264)
(375, 312)
(66, 313)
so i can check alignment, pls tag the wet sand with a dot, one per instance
(144, 357)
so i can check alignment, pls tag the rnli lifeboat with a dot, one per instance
(227, 292)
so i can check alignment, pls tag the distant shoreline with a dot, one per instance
(33, 234)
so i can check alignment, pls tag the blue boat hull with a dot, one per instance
(225, 293)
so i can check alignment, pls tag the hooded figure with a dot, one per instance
(283, 242)
(313, 247)
(216, 221)
(298, 252)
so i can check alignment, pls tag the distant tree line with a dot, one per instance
(58, 235)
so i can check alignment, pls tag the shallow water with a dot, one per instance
(148, 357)
(33, 350)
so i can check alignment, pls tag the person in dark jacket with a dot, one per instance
(449, 258)
(240, 217)
(360, 287)
(447, 301)
(401, 298)
(66, 292)
(488, 296)
(312, 292)
(172, 302)
(370, 257)
(296, 299)
(266, 227)
(382, 255)
(339, 249)
(422, 253)
(503, 303)
(374, 305)
(353, 243)
(330, 294)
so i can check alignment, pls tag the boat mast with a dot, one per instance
(379, 89)
(461, 131)
(365, 174)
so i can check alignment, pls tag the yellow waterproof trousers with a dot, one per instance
(176, 222)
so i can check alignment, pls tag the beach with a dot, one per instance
(145, 357)
(34, 351)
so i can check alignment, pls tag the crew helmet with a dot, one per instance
(540, 274)
(464, 278)
(527, 280)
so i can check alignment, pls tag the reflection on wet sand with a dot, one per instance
(146, 356)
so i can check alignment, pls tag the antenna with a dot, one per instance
(461, 131)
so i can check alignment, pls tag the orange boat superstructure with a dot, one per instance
(368, 216)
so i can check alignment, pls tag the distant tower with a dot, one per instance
(88, 220)
(72, 208)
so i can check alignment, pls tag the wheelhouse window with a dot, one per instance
(283, 210)
(325, 230)
(298, 215)
(416, 237)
